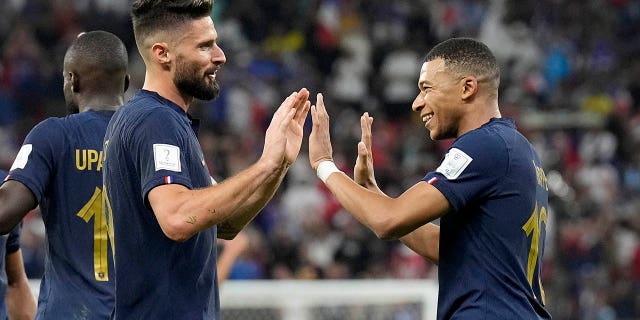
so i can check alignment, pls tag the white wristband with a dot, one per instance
(325, 169)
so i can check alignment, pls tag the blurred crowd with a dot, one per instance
(570, 78)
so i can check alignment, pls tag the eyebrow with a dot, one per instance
(423, 82)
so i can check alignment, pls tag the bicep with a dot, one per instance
(165, 199)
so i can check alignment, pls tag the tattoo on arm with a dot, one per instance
(192, 220)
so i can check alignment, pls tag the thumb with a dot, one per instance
(362, 152)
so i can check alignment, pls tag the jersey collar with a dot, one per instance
(193, 122)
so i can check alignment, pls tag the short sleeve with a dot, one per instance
(35, 163)
(470, 169)
(159, 147)
(13, 241)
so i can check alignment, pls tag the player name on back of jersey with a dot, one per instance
(541, 177)
(88, 159)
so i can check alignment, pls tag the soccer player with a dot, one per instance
(59, 167)
(165, 210)
(490, 190)
(16, 299)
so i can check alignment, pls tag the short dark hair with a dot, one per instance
(98, 51)
(150, 16)
(467, 57)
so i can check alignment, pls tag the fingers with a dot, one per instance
(365, 125)
(363, 155)
(286, 104)
(301, 114)
(288, 118)
(319, 114)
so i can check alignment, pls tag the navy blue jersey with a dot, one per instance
(60, 162)
(151, 142)
(9, 243)
(492, 240)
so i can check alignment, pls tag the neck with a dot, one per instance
(163, 85)
(478, 115)
(101, 103)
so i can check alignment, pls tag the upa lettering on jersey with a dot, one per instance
(166, 157)
(88, 159)
(22, 157)
(455, 161)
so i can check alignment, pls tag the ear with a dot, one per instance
(75, 82)
(126, 82)
(160, 53)
(470, 87)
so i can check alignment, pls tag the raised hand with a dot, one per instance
(319, 141)
(295, 128)
(363, 171)
(284, 136)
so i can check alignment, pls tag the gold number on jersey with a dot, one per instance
(93, 209)
(534, 225)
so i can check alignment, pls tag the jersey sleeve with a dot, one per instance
(470, 169)
(159, 148)
(13, 241)
(35, 164)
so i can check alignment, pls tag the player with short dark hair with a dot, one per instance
(16, 299)
(166, 210)
(60, 167)
(490, 190)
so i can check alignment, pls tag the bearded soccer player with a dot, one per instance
(166, 211)
(59, 167)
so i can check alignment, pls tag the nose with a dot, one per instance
(418, 103)
(218, 56)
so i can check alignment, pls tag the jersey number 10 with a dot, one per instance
(534, 225)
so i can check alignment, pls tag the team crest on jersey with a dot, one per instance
(166, 157)
(22, 157)
(455, 161)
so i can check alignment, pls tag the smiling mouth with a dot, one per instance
(211, 74)
(426, 118)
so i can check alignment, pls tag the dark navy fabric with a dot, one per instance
(492, 240)
(150, 142)
(61, 162)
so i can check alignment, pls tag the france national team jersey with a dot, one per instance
(151, 142)
(492, 240)
(61, 162)
(9, 243)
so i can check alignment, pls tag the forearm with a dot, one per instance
(20, 301)
(371, 207)
(389, 218)
(16, 200)
(425, 241)
(251, 207)
(182, 212)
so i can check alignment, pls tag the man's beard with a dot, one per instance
(189, 81)
(72, 107)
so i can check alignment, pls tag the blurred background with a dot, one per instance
(570, 78)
